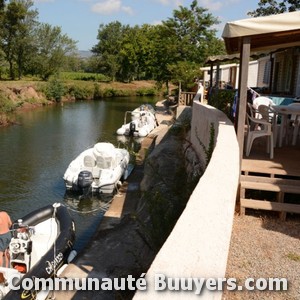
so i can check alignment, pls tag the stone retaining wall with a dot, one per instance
(199, 243)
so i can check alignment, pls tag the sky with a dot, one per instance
(80, 19)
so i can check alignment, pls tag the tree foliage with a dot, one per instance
(165, 52)
(154, 51)
(16, 26)
(273, 7)
(51, 48)
(27, 45)
(110, 44)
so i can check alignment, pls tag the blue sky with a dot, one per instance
(80, 19)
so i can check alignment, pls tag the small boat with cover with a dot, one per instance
(97, 169)
(40, 247)
(143, 121)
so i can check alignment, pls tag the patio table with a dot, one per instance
(284, 111)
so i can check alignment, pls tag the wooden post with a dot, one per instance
(211, 75)
(242, 97)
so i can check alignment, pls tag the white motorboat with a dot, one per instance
(97, 169)
(40, 247)
(143, 121)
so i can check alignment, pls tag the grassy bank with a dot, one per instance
(18, 95)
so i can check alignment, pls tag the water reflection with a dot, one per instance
(87, 204)
(132, 144)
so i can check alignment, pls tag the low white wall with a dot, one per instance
(199, 243)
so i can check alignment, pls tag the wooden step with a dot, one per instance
(269, 205)
(270, 184)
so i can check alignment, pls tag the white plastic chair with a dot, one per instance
(294, 121)
(252, 110)
(262, 100)
(266, 112)
(259, 128)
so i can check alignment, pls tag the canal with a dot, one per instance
(36, 152)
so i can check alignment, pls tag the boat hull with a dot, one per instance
(97, 170)
(56, 256)
(143, 121)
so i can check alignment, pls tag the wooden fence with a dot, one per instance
(186, 98)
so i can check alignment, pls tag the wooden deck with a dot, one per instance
(271, 184)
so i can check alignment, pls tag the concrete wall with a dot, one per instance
(199, 243)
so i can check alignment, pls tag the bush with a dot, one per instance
(81, 92)
(98, 93)
(84, 76)
(55, 90)
(146, 92)
(111, 92)
(6, 106)
(223, 100)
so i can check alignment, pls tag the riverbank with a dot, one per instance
(18, 96)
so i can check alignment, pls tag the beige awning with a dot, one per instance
(257, 34)
(270, 32)
(232, 57)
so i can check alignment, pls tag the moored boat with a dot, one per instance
(143, 121)
(41, 245)
(97, 169)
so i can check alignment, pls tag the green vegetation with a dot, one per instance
(210, 149)
(30, 47)
(83, 76)
(272, 7)
(15, 94)
(223, 100)
(294, 256)
(170, 52)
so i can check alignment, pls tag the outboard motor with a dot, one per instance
(132, 128)
(20, 247)
(85, 180)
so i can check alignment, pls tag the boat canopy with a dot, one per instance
(106, 156)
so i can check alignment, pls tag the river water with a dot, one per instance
(35, 154)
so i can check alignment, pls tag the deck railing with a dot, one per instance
(186, 98)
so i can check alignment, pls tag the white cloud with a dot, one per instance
(127, 9)
(211, 5)
(107, 7)
(170, 2)
(43, 1)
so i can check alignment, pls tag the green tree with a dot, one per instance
(2, 54)
(110, 38)
(17, 24)
(25, 38)
(193, 33)
(134, 53)
(153, 51)
(52, 48)
(2, 4)
(129, 62)
(184, 72)
(162, 52)
(273, 7)
(184, 40)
